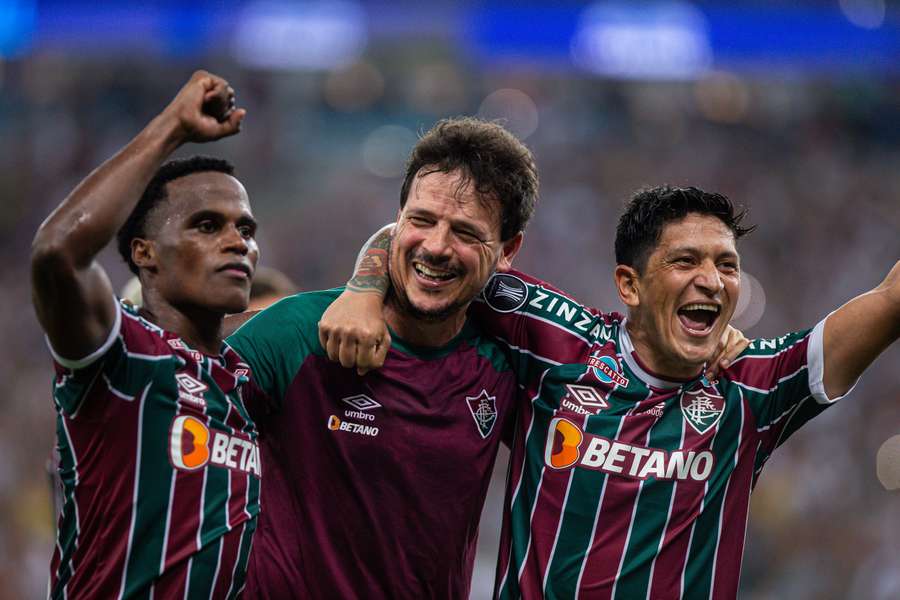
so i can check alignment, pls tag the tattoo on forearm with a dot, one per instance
(371, 274)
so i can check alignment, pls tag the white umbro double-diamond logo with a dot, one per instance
(361, 402)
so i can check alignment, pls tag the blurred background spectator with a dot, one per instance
(792, 108)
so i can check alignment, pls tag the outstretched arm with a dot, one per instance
(71, 292)
(856, 333)
(352, 330)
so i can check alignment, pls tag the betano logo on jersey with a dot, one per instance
(569, 446)
(193, 445)
(335, 424)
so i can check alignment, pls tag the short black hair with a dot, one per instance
(499, 165)
(650, 210)
(155, 192)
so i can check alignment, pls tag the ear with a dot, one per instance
(143, 254)
(627, 285)
(509, 251)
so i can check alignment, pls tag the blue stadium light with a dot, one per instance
(300, 36)
(667, 40)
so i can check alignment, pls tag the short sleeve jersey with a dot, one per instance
(623, 484)
(374, 484)
(159, 466)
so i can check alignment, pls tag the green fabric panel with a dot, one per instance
(277, 341)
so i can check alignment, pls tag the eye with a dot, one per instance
(684, 260)
(728, 267)
(470, 237)
(417, 220)
(247, 231)
(206, 226)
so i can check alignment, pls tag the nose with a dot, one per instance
(233, 241)
(708, 278)
(437, 240)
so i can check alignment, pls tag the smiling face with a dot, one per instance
(202, 253)
(445, 247)
(681, 303)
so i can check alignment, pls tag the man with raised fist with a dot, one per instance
(158, 456)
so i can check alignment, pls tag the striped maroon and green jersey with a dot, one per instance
(374, 484)
(623, 484)
(160, 469)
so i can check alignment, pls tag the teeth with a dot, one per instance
(697, 306)
(432, 273)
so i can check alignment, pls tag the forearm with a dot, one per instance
(89, 217)
(370, 274)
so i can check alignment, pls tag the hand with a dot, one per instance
(353, 332)
(204, 109)
(732, 343)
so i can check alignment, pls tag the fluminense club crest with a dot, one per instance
(702, 408)
(484, 410)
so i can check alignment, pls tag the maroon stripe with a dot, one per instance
(616, 511)
(106, 470)
(544, 525)
(516, 465)
(184, 522)
(172, 582)
(686, 506)
(734, 515)
(543, 339)
(237, 499)
(759, 371)
(231, 543)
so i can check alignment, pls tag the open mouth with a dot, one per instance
(698, 318)
(433, 274)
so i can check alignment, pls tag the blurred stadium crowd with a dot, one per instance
(816, 159)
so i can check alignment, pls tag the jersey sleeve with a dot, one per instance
(121, 366)
(782, 381)
(276, 342)
(542, 326)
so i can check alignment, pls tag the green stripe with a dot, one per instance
(523, 502)
(580, 511)
(68, 526)
(154, 484)
(704, 539)
(202, 578)
(240, 570)
(649, 521)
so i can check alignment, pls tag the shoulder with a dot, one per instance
(300, 311)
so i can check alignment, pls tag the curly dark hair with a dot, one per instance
(500, 166)
(155, 192)
(650, 210)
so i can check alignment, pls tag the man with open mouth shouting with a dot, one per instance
(631, 469)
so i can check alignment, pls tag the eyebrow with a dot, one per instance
(215, 215)
(694, 251)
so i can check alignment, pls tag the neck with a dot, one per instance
(201, 328)
(655, 361)
(422, 332)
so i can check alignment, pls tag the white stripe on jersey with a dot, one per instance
(137, 480)
(737, 453)
(773, 388)
(74, 501)
(668, 521)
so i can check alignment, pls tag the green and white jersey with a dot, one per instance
(160, 469)
(624, 484)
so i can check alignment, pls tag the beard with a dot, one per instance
(433, 315)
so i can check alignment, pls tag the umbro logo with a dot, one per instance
(361, 402)
(191, 390)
